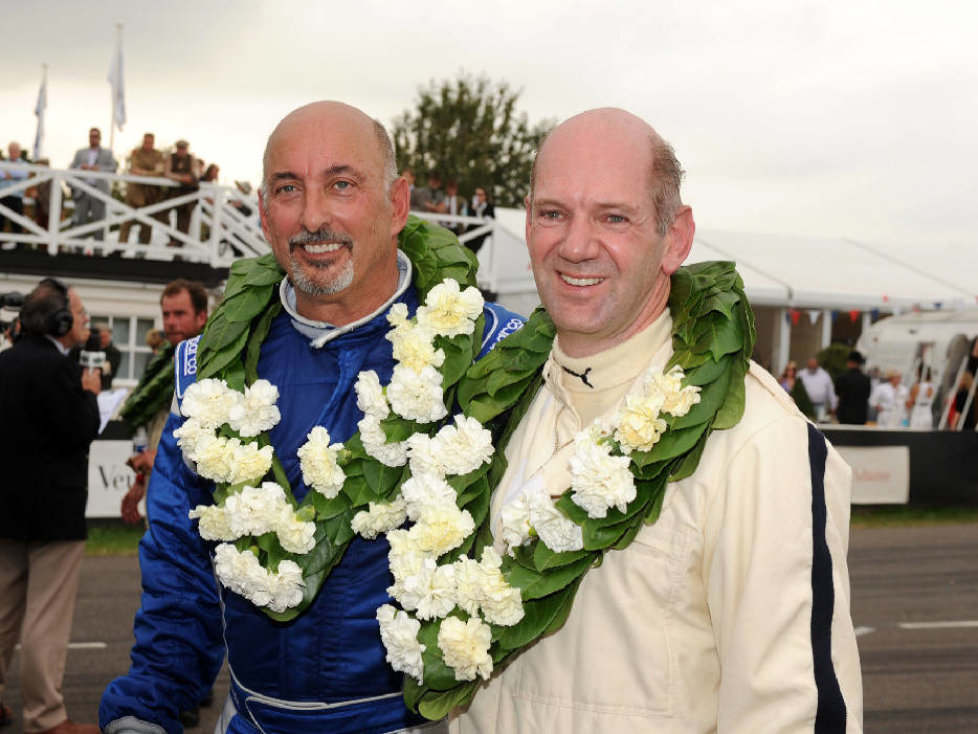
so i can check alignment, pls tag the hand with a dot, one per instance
(130, 503)
(92, 380)
(142, 463)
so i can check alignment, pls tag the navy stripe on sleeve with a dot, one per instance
(830, 716)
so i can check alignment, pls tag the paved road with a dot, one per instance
(915, 594)
(915, 602)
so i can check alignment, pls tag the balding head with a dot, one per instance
(604, 235)
(620, 127)
(337, 113)
(332, 208)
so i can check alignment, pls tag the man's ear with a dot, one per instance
(679, 240)
(400, 204)
(262, 215)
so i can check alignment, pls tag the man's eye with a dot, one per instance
(616, 218)
(286, 189)
(342, 185)
(550, 214)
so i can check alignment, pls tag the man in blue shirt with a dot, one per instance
(332, 207)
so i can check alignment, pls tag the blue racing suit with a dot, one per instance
(324, 671)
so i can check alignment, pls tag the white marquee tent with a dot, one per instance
(814, 275)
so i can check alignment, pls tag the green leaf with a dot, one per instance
(687, 465)
(377, 480)
(674, 443)
(262, 327)
(247, 305)
(545, 559)
(458, 357)
(397, 429)
(539, 616)
(437, 675)
(733, 407)
(534, 585)
(436, 705)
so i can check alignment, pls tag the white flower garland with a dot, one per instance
(465, 594)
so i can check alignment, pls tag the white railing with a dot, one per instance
(218, 234)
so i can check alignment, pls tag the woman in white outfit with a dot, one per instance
(921, 401)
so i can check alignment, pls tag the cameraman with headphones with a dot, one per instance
(48, 417)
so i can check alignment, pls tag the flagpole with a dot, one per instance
(118, 53)
(42, 103)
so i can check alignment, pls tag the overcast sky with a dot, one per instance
(834, 118)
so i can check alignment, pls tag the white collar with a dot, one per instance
(320, 332)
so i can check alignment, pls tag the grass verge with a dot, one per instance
(112, 538)
(889, 516)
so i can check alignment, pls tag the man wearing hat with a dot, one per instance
(182, 168)
(852, 388)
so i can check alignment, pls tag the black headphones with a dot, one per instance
(60, 322)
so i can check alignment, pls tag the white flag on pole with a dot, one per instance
(115, 78)
(42, 104)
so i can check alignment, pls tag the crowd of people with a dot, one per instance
(882, 399)
(431, 199)
(179, 166)
(704, 619)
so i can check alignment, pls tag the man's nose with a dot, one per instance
(582, 241)
(316, 210)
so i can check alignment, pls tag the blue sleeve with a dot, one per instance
(500, 323)
(179, 645)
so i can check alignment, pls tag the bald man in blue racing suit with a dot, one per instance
(332, 209)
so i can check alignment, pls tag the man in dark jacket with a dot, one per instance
(48, 417)
(852, 388)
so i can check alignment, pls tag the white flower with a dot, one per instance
(399, 633)
(430, 591)
(515, 524)
(255, 510)
(500, 603)
(189, 436)
(398, 315)
(286, 586)
(449, 312)
(425, 455)
(557, 531)
(417, 396)
(210, 402)
(317, 458)
(639, 426)
(257, 412)
(381, 517)
(406, 559)
(442, 528)
(425, 491)
(376, 446)
(295, 535)
(214, 523)
(242, 573)
(598, 479)
(677, 400)
(249, 462)
(465, 647)
(214, 457)
(413, 346)
(464, 446)
(370, 395)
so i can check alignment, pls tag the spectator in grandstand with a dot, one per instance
(88, 207)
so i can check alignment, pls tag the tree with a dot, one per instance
(469, 129)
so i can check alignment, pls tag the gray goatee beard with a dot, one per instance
(336, 280)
